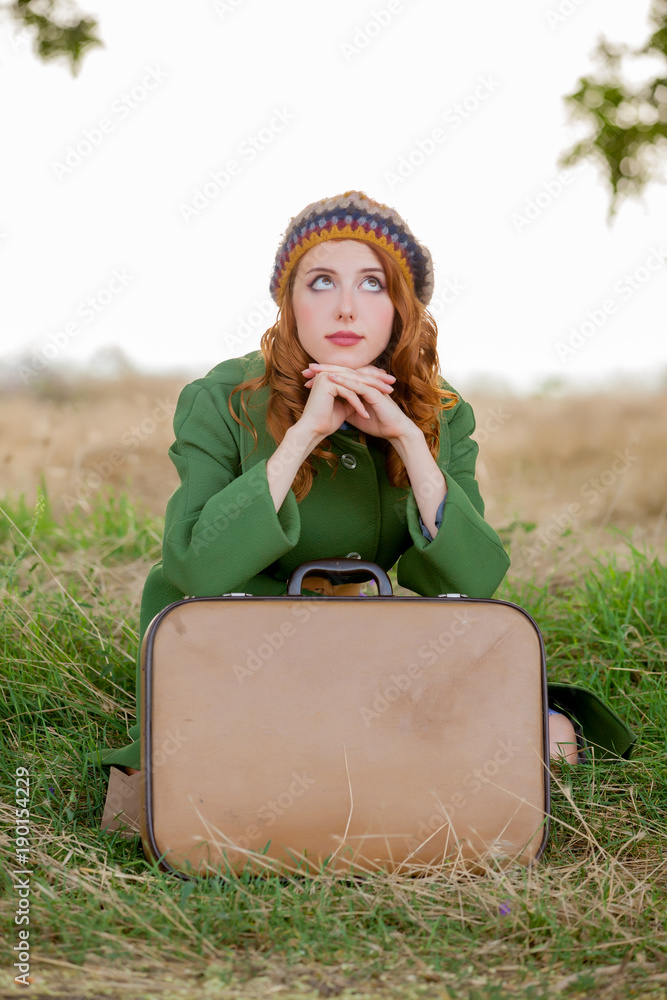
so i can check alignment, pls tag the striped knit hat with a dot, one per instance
(353, 216)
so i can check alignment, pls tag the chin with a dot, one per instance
(343, 356)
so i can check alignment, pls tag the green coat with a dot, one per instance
(222, 532)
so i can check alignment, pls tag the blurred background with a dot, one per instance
(146, 193)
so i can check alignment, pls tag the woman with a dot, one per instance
(338, 439)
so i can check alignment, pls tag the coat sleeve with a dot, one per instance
(466, 556)
(221, 525)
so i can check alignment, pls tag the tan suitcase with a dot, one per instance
(346, 733)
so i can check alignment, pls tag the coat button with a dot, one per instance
(349, 461)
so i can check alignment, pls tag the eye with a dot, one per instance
(376, 285)
(317, 285)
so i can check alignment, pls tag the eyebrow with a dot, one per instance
(330, 270)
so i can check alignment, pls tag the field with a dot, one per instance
(576, 487)
(557, 473)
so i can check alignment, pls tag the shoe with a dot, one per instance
(122, 809)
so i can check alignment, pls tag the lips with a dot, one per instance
(344, 337)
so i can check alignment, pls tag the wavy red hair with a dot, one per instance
(411, 356)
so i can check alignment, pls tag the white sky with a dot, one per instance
(193, 292)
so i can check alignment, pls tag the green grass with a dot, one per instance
(588, 921)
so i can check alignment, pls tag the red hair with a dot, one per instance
(411, 356)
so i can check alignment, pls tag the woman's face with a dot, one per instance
(343, 312)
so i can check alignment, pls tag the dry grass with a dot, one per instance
(574, 467)
(525, 924)
(556, 473)
(587, 895)
(63, 433)
(588, 921)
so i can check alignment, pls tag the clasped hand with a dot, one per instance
(360, 396)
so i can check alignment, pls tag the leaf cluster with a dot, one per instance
(627, 123)
(59, 30)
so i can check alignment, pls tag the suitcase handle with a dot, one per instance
(340, 571)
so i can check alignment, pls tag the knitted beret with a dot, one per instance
(353, 216)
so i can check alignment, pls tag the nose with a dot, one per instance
(345, 305)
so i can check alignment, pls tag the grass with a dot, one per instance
(588, 921)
